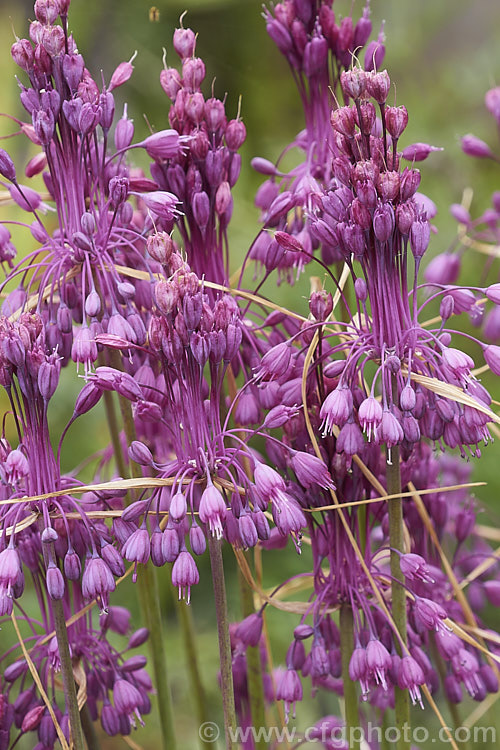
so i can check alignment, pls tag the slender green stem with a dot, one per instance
(384, 725)
(148, 590)
(254, 668)
(226, 667)
(149, 599)
(185, 619)
(396, 541)
(88, 727)
(114, 432)
(67, 676)
(350, 692)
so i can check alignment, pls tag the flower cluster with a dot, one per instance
(241, 421)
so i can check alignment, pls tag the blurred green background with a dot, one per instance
(442, 56)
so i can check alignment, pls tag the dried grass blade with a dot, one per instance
(38, 683)
(454, 394)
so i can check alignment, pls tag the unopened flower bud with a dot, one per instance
(7, 168)
(396, 120)
(121, 74)
(473, 146)
(419, 151)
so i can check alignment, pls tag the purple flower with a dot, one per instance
(184, 574)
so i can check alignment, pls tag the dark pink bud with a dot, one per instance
(124, 132)
(138, 638)
(363, 29)
(160, 246)
(140, 453)
(73, 67)
(321, 304)
(345, 38)
(343, 121)
(165, 144)
(361, 289)
(48, 377)
(350, 440)
(184, 42)
(446, 307)
(353, 81)
(288, 242)
(264, 166)
(460, 213)
(375, 52)
(32, 719)
(289, 690)
(87, 398)
(194, 107)
(46, 11)
(310, 470)
(185, 574)
(118, 191)
(247, 531)
(378, 85)
(107, 107)
(420, 234)
(201, 209)
(22, 54)
(137, 548)
(161, 203)
(388, 185)
(233, 341)
(366, 192)
(36, 165)
(336, 408)
(370, 415)
(7, 168)
(88, 118)
(492, 358)
(55, 582)
(280, 36)
(215, 115)
(383, 222)
(410, 181)
(493, 293)
(44, 124)
(222, 198)
(235, 134)
(170, 82)
(366, 117)
(315, 56)
(122, 74)
(419, 151)
(473, 146)
(212, 510)
(72, 566)
(249, 630)
(279, 207)
(396, 120)
(193, 73)
(443, 269)
(53, 41)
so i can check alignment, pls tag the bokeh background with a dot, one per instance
(442, 56)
